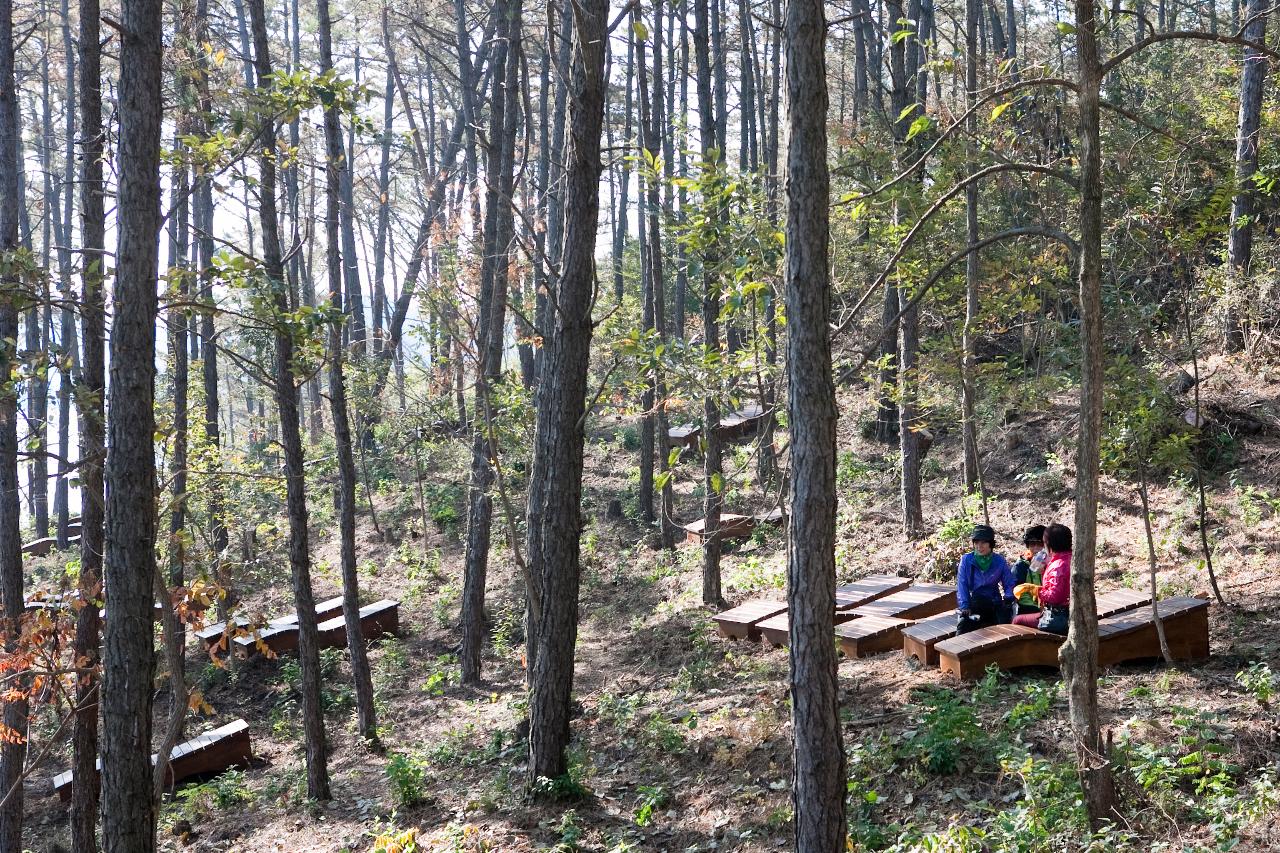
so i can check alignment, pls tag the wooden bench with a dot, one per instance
(918, 640)
(742, 622)
(376, 620)
(1132, 635)
(732, 526)
(870, 635)
(1125, 636)
(280, 635)
(212, 752)
(776, 629)
(918, 601)
(684, 436)
(735, 426)
(44, 547)
(212, 635)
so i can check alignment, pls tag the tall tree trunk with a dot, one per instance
(712, 465)
(1240, 244)
(1079, 654)
(67, 349)
(286, 389)
(819, 783)
(335, 186)
(384, 206)
(971, 305)
(645, 178)
(622, 223)
(499, 229)
(354, 304)
(128, 809)
(90, 403)
(655, 303)
(555, 511)
(13, 751)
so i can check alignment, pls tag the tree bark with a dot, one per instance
(128, 810)
(713, 470)
(337, 184)
(819, 784)
(555, 512)
(1079, 654)
(13, 751)
(491, 334)
(286, 389)
(1240, 242)
(90, 403)
(969, 436)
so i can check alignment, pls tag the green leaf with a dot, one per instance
(920, 124)
(999, 110)
(906, 111)
(641, 31)
(717, 483)
(1066, 29)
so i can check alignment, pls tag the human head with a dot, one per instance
(983, 538)
(1034, 537)
(1057, 538)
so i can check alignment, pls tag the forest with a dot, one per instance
(476, 425)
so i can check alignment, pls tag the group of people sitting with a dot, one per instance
(1034, 592)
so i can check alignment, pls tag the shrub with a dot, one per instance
(407, 776)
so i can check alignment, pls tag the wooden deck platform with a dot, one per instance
(741, 425)
(733, 525)
(1125, 636)
(212, 635)
(918, 641)
(281, 635)
(776, 630)
(212, 752)
(743, 622)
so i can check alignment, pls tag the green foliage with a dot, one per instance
(1259, 682)
(225, 791)
(949, 735)
(950, 542)
(652, 798)
(407, 775)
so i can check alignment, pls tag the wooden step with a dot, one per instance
(46, 546)
(870, 635)
(212, 752)
(868, 589)
(918, 641)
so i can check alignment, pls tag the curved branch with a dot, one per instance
(1009, 234)
(956, 125)
(1189, 35)
(933, 209)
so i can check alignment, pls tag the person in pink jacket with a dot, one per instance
(1054, 591)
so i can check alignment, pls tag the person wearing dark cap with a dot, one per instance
(984, 584)
(1029, 569)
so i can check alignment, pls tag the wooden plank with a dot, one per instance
(46, 546)
(869, 635)
(918, 641)
(684, 436)
(740, 623)
(918, 601)
(1008, 646)
(212, 752)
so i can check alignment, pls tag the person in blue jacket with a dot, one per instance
(984, 584)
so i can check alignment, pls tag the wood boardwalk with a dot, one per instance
(743, 622)
(381, 617)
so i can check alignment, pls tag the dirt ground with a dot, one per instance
(697, 727)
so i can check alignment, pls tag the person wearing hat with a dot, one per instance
(984, 584)
(1029, 569)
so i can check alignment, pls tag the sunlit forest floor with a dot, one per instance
(681, 739)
